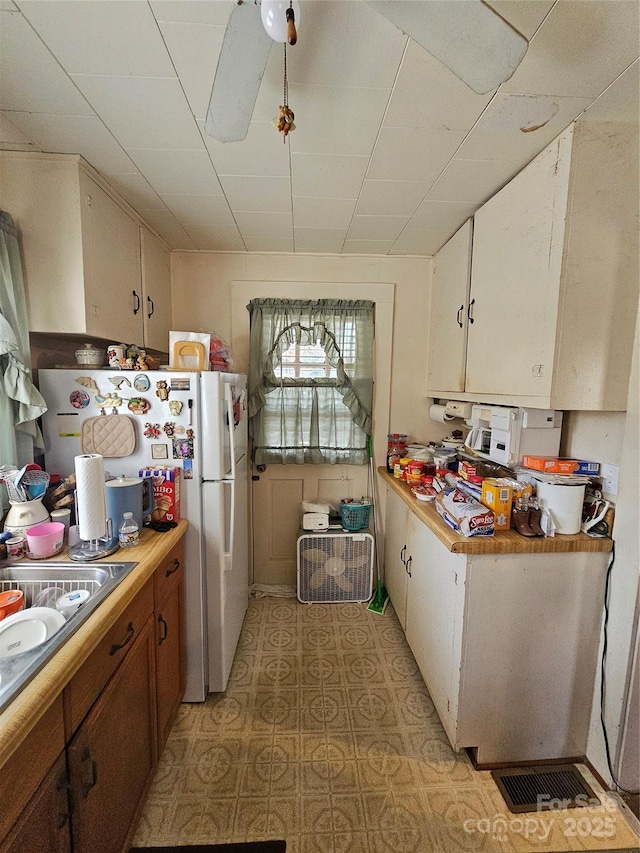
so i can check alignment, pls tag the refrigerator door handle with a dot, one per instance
(228, 555)
(228, 396)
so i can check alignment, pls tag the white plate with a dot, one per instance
(21, 636)
(51, 618)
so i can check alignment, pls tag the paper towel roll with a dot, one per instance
(438, 414)
(90, 494)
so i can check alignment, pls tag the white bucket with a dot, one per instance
(564, 502)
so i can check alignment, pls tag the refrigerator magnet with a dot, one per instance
(183, 448)
(138, 405)
(151, 431)
(175, 407)
(162, 390)
(79, 399)
(141, 382)
(187, 469)
(169, 429)
(159, 451)
(181, 384)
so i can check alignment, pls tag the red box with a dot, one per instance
(166, 492)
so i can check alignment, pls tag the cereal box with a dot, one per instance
(497, 495)
(554, 465)
(166, 492)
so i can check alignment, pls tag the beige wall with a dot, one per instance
(202, 302)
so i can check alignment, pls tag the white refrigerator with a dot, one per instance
(197, 422)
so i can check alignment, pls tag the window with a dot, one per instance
(310, 380)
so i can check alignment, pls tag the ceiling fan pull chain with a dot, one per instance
(292, 35)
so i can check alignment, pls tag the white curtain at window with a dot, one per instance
(305, 418)
(20, 401)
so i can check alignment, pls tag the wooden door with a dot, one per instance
(435, 600)
(448, 316)
(156, 291)
(112, 756)
(515, 280)
(396, 545)
(170, 650)
(277, 498)
(44, 824)
(115, 302)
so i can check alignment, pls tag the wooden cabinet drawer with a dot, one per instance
(24, 771)
(84, 688)
(169, 572)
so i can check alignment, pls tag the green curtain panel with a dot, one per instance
(310, 383)
(20, 401)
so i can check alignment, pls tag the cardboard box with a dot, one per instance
(497, 496)
(467, 469)
(554, 465)
(166, 492)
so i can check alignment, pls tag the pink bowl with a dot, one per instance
(45, 540)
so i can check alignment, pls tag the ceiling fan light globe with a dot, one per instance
(274, 17)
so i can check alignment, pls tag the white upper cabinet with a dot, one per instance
(88, 269)
(448, 317)
(554, 281)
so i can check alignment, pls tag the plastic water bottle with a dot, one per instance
(128, 532)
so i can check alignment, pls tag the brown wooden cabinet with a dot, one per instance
(170, 643)
(44, 824)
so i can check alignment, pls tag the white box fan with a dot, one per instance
(335, 566)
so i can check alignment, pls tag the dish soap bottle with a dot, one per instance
(128, 532)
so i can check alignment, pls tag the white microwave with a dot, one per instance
(507, 433)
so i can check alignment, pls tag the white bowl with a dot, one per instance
(70, 602)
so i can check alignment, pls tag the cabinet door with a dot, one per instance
(448, 315)
(170, 657)
(156, 291)
(435, 601)
(515, 280)
(113, 264)
(112, 755)
(44, 824)
(396, 552)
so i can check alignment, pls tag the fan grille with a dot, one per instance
(334, 567)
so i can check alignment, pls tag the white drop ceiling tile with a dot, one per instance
(472, 181)
(390, 198)
(345, 44)
(8, 6)
(419, 242)
(440, 216)
(257, 194)
(193, 11)
(107, 37)
(11, 135)
(405, 154)
(268, 244)
(166, 225)
(32, 80)
(194, 51)
(581, 46)
(327, 175)
(376, 227)
(329, 240)
(517, 127)
(428, 95)
(181, 172)
(199, 209)
(270, 93)
(333, 120)
(261, 154)
(367, 247)
(525, 15)
(85, 135)
(323, 214)
(142, 111)
(278, 226)
(221, 238)
(136, 190)
(620, 102)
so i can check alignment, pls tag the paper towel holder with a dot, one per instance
(93, 549)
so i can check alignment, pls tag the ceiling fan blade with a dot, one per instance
(243, 58)
(467, 36)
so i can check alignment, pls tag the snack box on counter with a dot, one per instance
(555, 465)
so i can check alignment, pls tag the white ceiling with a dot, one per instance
(391, 153)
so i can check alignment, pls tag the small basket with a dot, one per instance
(355, 516)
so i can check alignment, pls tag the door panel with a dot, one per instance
(277, 516)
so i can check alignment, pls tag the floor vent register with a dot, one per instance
(531, 789)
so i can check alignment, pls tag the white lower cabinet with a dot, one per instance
(507, 644)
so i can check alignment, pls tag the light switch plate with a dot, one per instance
(609, 475)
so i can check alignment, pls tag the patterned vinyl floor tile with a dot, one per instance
(327, 737)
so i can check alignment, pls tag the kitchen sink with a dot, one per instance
(38, 582)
